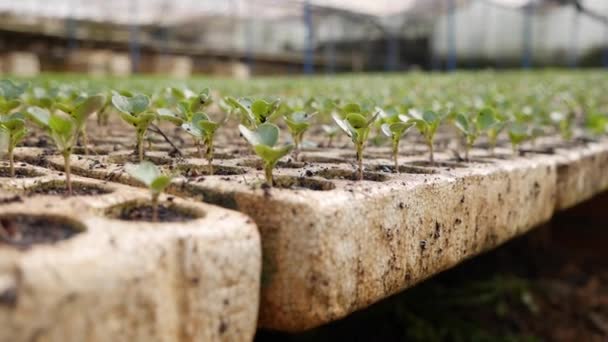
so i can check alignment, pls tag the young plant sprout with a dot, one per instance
(427, 123)
(10, 94)
(150, 175)
(298, 123)
(80, 109)
(180, 107)
(331, 132)
(396, 131)
(473, 127)
(518, 133)
(264, 140)
(494, 129)
(564, 122)
(254, 113)
(357, 127)
(201, 127)
(134, 110)
(13, 127)
(64, 131)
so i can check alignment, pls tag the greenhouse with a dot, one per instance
(303, 170)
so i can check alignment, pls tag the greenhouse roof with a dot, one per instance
(176, 11)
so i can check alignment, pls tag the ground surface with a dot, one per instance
(550, 285)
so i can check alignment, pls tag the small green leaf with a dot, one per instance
(356, 120)
(268, 134)
(351, 108)
(131, 105)
(40, 116)
(10, 90)
(209, 127)
(88, 107)
(145, 172)
(168, 115)
(486, 119)
(462, 123)
(343, 124)
(62, 126)
(272, 154)
(160, 183)
(430, 116)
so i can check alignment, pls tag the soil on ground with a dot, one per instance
(549, 285)
(23, 231)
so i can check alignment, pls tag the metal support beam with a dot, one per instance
(309, 49)
(249, 40)
(70, 28)
(452, 62)
(134, 46)
(605, 59)
(573, 57)
(330, 57)
(526, 58)
(392, 52)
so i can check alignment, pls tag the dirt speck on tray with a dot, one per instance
(23, 231)
(143, 212)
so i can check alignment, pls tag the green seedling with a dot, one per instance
(427, 123)
(298, 123)
(264, 140)
(473, 127)
(331, 132)
(64, 131)
(182, 105)
(396, 131)
(597, 123)
(201, 127)
(10, 96)
(13, 128)
(134, 109)
(80, 109)
(565, 122)
(518, 133)
(150, 175)
(254, 112)
(494, 129)
(357, 126)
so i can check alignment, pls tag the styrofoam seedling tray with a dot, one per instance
(332, 245)
(117, 280)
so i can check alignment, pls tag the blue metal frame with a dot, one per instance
(527, 39)
(134, 46)
(309, 49)
(452, 62)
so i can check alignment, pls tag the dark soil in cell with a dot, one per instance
(297, 183)
(195, 171)
(22, 231)
(443, 164)
(258, 164)
(143, 212)
(538, 150)
(19, 173)
(404, 169)
(132, 158)
(322, 159)
(351, 175)
(10, 199)
(59, 189)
